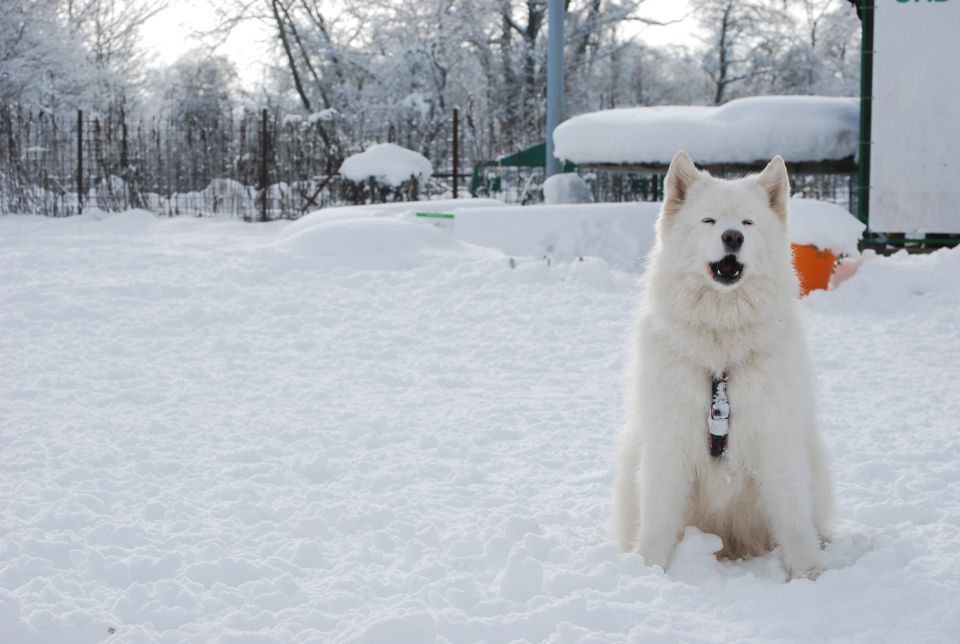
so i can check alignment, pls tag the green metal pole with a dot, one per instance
(555, 91)
(866, 105)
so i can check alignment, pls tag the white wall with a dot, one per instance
(914, 169)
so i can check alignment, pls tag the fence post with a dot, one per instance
(263, 166)
(456, 150)
(168, 169)
(124, 163)
(79, 162)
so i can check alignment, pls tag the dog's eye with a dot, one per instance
(708, 220)
(747, 222)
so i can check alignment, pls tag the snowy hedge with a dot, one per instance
(388, 163)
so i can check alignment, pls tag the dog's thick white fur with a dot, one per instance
(772, 486)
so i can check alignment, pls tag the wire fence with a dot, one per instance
(259, 166)
(524, 185)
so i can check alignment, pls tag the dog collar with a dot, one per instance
(719, 419)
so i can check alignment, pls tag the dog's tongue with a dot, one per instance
(728, 266)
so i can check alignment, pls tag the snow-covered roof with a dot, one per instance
(389, 163)
(747, 130)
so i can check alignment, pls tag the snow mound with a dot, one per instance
(382, 242)
(388, 163)
(567, 187)
(228, 189)
(911, 284)
(128, 221)
(825, 225)
(800, 128)
(394, 208)
(621, 234)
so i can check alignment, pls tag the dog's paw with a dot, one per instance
(803, 562)
(813, 573)
(805, 568)
(654, 553)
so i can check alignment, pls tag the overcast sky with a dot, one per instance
(175, 31)
(172, 32)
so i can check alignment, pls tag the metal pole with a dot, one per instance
(554, 79)
(866, 106)
(263, 166)
(124, 163)
(456, 149)
(79, 162)
(167, 167)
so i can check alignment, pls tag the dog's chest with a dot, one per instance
(721, 486)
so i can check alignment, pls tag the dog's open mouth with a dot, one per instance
(727, 271)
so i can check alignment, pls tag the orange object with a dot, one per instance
(813, 266)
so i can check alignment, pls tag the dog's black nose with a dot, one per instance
(732, 240)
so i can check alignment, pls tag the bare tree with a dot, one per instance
(110, 30)
(41, 64)
(743, 41)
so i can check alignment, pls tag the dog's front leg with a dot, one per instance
(785, 490)
(665, 483)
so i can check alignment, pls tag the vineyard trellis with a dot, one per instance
(257, 165)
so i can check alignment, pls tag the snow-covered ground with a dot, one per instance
(363, 429)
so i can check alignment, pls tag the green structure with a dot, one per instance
(533, 157)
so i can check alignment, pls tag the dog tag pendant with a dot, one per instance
(719, 419)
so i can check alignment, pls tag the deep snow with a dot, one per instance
(364, 429)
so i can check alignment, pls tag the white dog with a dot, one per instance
(719, 336)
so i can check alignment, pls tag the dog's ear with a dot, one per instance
(680, 177)
(776, 184)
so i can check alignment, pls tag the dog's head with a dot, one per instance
(725, 231)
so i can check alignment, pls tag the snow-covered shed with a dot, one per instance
(814, 134)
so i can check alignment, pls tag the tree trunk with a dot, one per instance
(291, 61)
(723, 63)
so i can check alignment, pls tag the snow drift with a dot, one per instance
(621, 234)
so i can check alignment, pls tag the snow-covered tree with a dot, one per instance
(110, 30)
(59, 54)
(199, 89)
(744, 42)
(41, 63)
(394, 69)
(787, 47)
